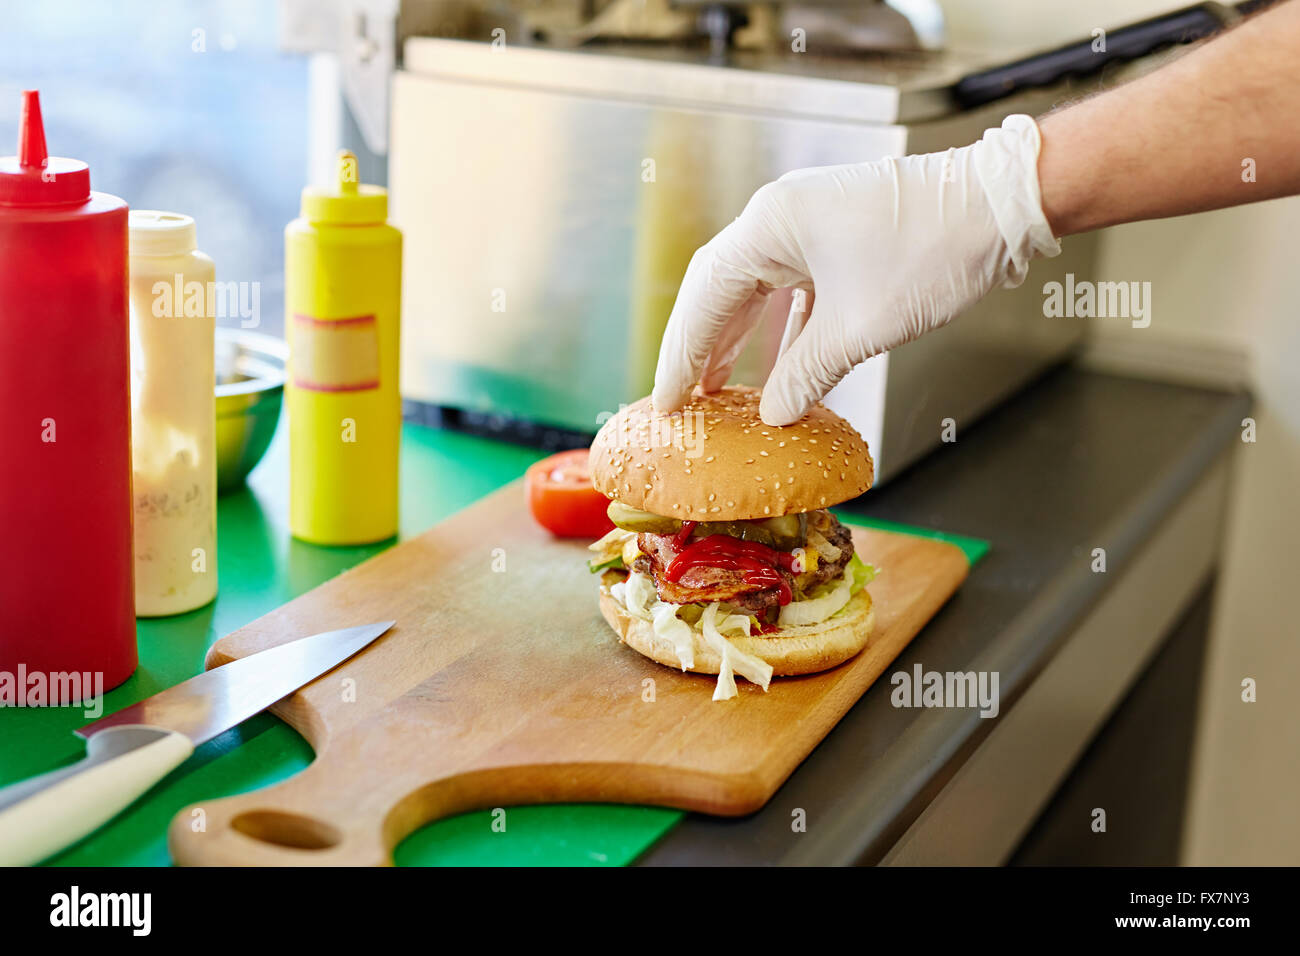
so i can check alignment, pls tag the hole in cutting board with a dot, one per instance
(287, 829)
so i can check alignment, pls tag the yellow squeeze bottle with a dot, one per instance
(343, 277)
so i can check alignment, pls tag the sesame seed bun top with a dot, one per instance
(716, 460)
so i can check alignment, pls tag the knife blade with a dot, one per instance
(216, 700)
(129, 751)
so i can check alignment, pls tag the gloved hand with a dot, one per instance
(883, 251)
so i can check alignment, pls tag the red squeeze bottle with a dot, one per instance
(67, 614)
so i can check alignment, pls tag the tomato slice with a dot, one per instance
(562, 499)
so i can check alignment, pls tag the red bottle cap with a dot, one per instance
(33, 177)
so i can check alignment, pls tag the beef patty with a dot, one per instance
(839, 537)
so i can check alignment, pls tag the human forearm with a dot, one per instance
(1174, 141)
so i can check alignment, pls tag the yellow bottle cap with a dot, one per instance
(350, 201)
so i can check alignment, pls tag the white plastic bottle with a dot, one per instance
(173, 415)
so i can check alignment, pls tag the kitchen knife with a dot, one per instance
(131, 750)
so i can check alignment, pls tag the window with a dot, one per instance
(182, 106)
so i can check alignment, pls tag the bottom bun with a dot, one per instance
(790, 650)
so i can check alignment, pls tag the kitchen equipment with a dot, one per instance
(250, 386)
(131, 750)
(343, 273)
(505, 686)
(551, 199)
(66, 594)
(1136, 40)
(173, 415)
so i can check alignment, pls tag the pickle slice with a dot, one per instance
(744, 530)
(634, 519)
(785, 532)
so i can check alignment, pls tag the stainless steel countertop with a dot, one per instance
(863, 88)
(1077, 461)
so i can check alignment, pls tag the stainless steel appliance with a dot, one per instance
(551, 198)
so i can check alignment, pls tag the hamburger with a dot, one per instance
(724, 558)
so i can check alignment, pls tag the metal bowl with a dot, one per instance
(250, 388)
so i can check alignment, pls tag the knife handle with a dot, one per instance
(41, 816)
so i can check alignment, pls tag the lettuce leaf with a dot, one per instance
(604, 564)
(733, 659)
(813, 610)
(859, 572)
(668, 624)
(640, 595)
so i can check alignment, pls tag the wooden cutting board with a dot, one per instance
(502, 685)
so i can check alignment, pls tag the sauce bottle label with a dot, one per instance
(335, 355)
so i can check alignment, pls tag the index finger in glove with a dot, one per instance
(815, 362)
(713, 291)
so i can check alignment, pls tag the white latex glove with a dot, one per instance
(884, 251)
